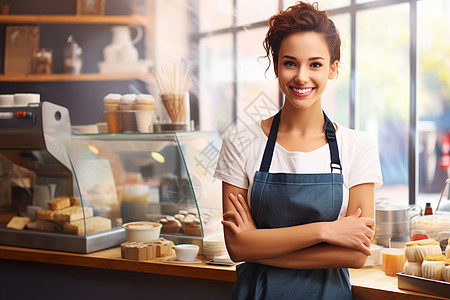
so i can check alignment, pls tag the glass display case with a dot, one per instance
(73, 192)
(158, 177)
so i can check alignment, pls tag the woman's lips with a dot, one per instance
(299, 92)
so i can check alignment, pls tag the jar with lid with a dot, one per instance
(72, 56)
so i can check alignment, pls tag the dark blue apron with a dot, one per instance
(289, 199)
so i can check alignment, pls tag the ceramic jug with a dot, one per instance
(122, 48)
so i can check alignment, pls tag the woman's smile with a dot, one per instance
(301, 92)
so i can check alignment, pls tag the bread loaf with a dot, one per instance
(18, 223)
(59, 203)
(93, 224)
(73, 213)
(43, 225)
(45, 214)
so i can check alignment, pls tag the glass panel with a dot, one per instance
(433, 98)
(323, 4)
(364, 1)
(255, 11)
(257, 89)
(216, 77)
(215, 14)
(336, 99)
(383, 92)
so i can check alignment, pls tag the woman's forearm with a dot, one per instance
(321, 256)
(265, 243)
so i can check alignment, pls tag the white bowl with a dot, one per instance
(186, 252)
(142, 231)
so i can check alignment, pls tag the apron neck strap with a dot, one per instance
(330, 133)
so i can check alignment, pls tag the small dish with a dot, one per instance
(183, 261)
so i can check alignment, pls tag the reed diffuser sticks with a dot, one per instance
(173, 83)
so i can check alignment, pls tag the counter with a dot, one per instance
(111, 277)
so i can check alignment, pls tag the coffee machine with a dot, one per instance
(36, 166)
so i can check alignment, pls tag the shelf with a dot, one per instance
(74, 19)
(74, 77)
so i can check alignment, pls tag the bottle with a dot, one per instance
(72, 57)
(428, 209)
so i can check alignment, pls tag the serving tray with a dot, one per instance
(423, 285)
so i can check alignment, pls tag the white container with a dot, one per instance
(6, 100)
(186, 252)
(142, 231)
(23, 99)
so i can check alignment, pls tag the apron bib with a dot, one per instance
(289, 199)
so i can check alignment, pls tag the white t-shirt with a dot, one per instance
(243, 149)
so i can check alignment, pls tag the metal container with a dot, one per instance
(392, 220)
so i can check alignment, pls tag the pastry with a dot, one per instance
(93, 224)
(427, 247)
(45, 214)
(432, 266)
(73, 213)
(191, 226)
(128, 117)
(413, 268)
(111, 104)
(18, 223)
(43, 225)
(170, 225)
(411, 251)
(447, 249)
(446, 271)
(59, 203)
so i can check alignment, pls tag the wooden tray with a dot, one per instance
(423, 285)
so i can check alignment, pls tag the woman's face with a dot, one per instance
(304, 68)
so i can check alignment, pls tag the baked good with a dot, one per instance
(411, 251)
(170, 225)
(111, 104)
(74, 201)
(191, 226)
(72, 213)
(163, 247)
(45, 214)
(413, 268)
(18, 223)
(446, 271)
(93, 224)
(427, 247)
(59, 203)
(432, 266)
(43, 225)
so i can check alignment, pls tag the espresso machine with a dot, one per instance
(35, 165)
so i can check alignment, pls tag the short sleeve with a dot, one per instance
(231, 165)
(365, 167)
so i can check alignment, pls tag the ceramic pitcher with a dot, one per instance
(122, 48)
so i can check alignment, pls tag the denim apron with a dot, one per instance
(289, 199)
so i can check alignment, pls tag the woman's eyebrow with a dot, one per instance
(317, 57)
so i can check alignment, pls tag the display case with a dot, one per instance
(159, 177)
(73, 192)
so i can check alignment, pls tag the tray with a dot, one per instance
(423, 285)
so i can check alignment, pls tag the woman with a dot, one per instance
(299, 197)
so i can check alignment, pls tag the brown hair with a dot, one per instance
(301, 17)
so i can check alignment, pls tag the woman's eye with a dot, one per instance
(316, 65)
(289, 63)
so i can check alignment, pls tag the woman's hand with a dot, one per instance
(353, 231)
(240, 219)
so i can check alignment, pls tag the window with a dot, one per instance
(394, 81)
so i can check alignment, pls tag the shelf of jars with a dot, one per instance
(75, 77)
(74, 19)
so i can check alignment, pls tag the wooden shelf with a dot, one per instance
(74, 19)
(74, 77)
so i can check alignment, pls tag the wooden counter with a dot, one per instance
(368, 283)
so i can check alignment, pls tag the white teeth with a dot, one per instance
(302, 91)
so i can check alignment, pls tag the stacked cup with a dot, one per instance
(144, 105)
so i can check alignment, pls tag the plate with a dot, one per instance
(423, 285)
(183, 261)
(219, 263)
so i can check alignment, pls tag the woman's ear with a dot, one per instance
(333, 69)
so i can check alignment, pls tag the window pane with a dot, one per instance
(336, 99)
(216, 77)
(255, 11)
(323, 4)
(383, 92)
(215, 14)
(257, 89)
(433, 97)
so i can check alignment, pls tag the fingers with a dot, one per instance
(231, 226)
(357, 213)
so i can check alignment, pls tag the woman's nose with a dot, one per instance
(301, 76)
